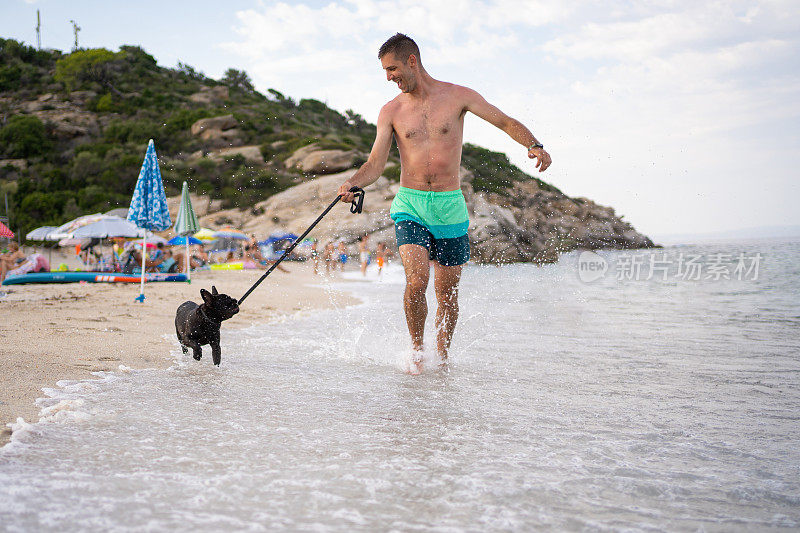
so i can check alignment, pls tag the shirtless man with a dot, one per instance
(429, 211)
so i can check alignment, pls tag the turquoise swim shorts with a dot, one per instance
(436, 220)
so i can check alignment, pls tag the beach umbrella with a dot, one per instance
(155, 239)
(230, 233)
(64, 230)
(148, 208)
(186, 223)
(108, 227)
(69, 241)
(5, 232)
(205, 234)
(121, 212)
(224, 244)
(40, 234)
(180, 241)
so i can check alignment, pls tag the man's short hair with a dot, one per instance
(401, 46)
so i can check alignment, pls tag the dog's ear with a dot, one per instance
(214, 290)
(206, 296)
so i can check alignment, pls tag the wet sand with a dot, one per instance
(67, 331)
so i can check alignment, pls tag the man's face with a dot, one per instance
(397, 72)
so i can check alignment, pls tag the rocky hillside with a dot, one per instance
(74, 127)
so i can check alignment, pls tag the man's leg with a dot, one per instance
(416, 264)
(445, 282)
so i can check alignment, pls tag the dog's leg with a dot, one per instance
(216, 351)
(184, 349)
(197, 350)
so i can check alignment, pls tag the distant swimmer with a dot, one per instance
(429, 211)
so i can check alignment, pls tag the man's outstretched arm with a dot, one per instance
(476, 104)
(372, 169)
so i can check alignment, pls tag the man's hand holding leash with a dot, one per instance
(344, 190)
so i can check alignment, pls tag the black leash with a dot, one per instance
(356, 207)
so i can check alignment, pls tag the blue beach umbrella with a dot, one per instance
(180, 241)
(148, 208)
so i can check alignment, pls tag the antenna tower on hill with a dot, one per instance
(76, 29)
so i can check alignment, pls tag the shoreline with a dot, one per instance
(54, 332)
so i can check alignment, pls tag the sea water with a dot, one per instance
(587, 394)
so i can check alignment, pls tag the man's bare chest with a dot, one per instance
(433, 121)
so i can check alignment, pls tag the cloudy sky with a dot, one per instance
(682, 115)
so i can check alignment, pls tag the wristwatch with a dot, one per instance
(535, 145)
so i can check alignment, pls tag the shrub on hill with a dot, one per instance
(84, 66)
(24, 136)
(493, 171)
(21, 66)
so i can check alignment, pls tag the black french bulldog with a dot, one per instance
(197, 325)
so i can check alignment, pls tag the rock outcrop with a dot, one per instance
(531, 223)
(312, 160)
(19, 164)
(528, 223)
(210, 95)
(69, 124)
(250, 153)
(222, 127)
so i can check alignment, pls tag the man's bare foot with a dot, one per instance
(415, 366)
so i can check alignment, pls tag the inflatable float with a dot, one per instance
(236, 265)
(89, 277)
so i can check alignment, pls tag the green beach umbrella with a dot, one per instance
(186, 223)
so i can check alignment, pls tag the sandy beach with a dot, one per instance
(67, 331)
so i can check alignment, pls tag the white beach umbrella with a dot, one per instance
(109, 227)
(40, 234)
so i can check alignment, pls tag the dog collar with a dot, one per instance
(204, 314)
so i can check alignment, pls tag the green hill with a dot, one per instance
(74, 129)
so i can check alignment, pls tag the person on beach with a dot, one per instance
(380, 260)
(253, 258)
(315, 255)
(427, 120)
(180, 259)
(363, 254)
(11, 259)
(342, 255)
(328, 256)
(200, 257)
